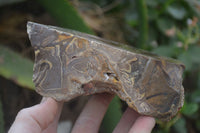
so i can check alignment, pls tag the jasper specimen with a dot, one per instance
(70, 64)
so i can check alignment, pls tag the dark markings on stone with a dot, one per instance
(70, 64)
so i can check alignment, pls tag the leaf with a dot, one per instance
(165, 24)
(112, 116)
(65, 15)
(1, 119)
(186, 59)
(178, 12)
(190, 57)
(195, 96)
(16, 68)
(164, 50)
(189, 108)
(152, 14)
(194, 5)
(152, 3)
(194, 53)
(180, 126)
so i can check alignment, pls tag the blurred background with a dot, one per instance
(165, 27)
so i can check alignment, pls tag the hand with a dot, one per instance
(41, 118)
(44, 118)
(90, 118)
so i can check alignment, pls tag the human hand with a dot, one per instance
(90, 118)
(43, 118)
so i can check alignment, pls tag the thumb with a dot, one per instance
(36, 118)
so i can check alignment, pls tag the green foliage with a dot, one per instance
(180, 126)
(197, 124)
(16, 68)
(143, 24)
(195, 96)
(1, 119)
(65, 15)
(189, 108)
(164, 24)
(166, 27)
(174, 32)
(165, 50)
(177, 11)
(190, 57)
(166, 126)
(112, 116)
(198, 80)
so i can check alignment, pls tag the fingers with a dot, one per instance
(52, 128)
(144, 124)
(93, 113)
(36, 118)
(126, 121)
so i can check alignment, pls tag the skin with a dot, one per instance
(43, 118)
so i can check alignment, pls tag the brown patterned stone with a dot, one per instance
(70, 64)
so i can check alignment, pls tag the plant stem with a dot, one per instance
(143, 24)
